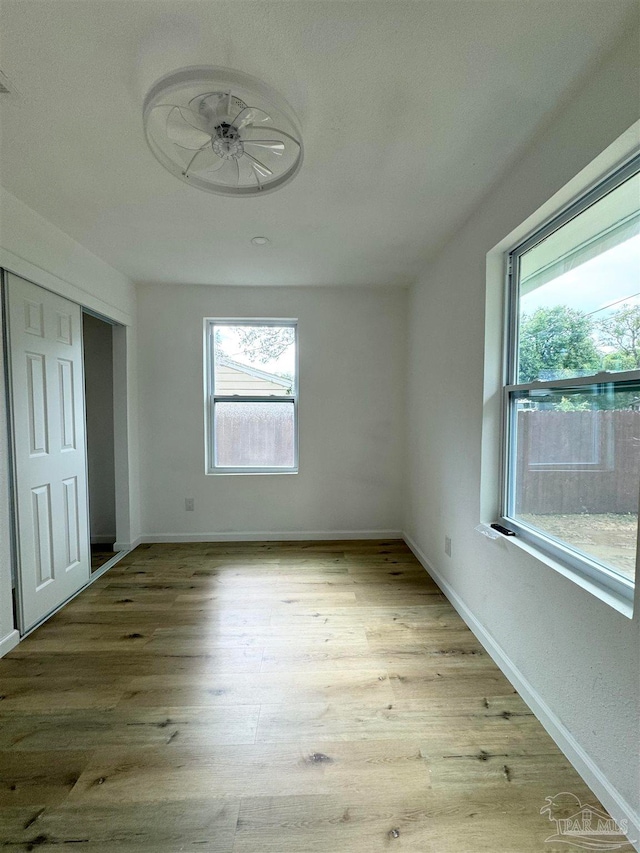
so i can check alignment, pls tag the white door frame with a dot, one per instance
(121, 431)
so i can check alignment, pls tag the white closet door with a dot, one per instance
(49, 446)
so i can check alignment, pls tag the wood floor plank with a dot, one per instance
(91, 665)
(422, 639)
(207, 824)
(302, 656)
(239, 599)
(62, 693)
(442, 681)
(252, 689)
(83, 730)
(442, 721)
(431, 823)
(295, 697)
(39, 778)
(269, 637)
(161, 617)
(151, 774)
(79, 637)
(371, 617)
(464, 772)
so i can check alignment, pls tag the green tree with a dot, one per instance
(555, 342)
(265, 343)
(257, 343)
(618, 361)
(622, 331)
(567, 404)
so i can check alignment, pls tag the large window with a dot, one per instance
(252, 396)
(572, 397)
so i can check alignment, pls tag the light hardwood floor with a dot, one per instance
(268, 698)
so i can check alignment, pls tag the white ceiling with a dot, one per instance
(409, 110)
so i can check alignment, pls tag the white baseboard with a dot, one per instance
(9, 642)
(128, 546)
(270, 536)
(612, 800)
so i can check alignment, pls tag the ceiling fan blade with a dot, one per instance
(208, 170)
(246, 171)
(212, 107)
(250, 115)
(256, 175)
(182, 130)
(224, 172)
(203, 160)
(263, 170)
(274, 147)
(268, 129)
(187, 168)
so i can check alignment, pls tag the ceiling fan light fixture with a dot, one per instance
(222, 131)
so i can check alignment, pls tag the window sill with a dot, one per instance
(248, 473)
(617, 602)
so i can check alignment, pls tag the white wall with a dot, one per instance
(580, 656)
(35, 249)
(32, 247)
(98, 381)
(352, 387)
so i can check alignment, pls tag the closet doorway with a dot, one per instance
(67, 394)
(97, 339)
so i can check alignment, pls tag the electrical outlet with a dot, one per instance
(189, 504)
(447, 545)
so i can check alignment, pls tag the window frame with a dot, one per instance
(210, 397)
(577, 563)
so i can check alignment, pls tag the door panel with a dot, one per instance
(72, 533)
(45, 346)
(67, 404)
(42, 534)
(37, 401)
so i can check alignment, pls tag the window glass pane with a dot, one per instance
(254, 435)
(254, 361)
(579, 293)
(576, 468)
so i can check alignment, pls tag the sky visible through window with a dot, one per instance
(583, 320)
(598, 287)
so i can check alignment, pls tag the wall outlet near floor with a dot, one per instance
(447, 545)
(189, 504)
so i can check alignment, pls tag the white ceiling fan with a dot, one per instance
(222, 131)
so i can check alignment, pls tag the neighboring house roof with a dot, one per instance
(253, 372)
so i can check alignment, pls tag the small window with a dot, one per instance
(252, 396)
(572, 397)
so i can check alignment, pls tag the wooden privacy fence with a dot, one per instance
(254, 434)
(573, 462)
